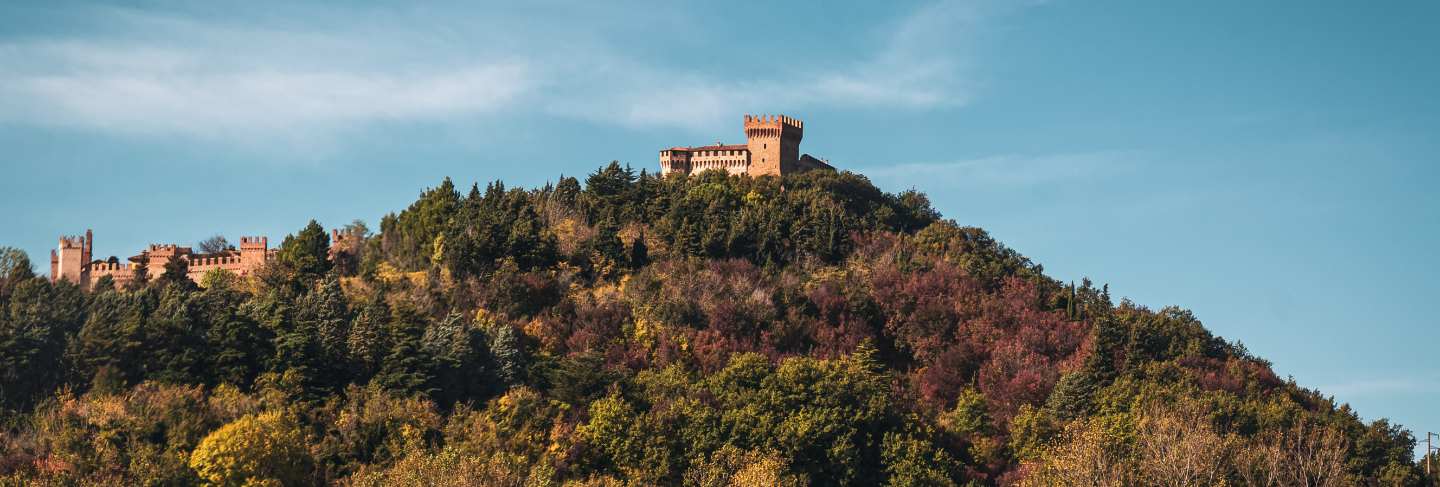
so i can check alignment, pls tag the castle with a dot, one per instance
(772, 147)
(73, 260)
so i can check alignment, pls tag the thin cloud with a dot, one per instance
(221, 104)
(1010, 170)
(210, 79)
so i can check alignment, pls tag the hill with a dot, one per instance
(635, 330)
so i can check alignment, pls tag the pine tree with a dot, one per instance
(507, 353)
(141, 275)
(306, 254)
(407, 368)
(176, 271)
(367, 341)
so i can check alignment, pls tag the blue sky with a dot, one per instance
(1269, 165)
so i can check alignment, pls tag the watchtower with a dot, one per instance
(71, 259)
(774, 143)
(254, 251)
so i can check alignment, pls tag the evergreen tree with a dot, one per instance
(407, 368)
(40, 317)
(239, 347)
(607, 242)
(141, 275)
(305, 255)
(367, 342)
(176, 272)
(507, 353)
(324, 315)
(461, 360)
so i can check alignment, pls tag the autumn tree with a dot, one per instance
(263, 449)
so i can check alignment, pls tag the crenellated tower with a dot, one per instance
(774, 143)
(71, 259)
(254, 251)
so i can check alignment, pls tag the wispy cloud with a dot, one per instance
(263, 102)
(923, 63)
(1010, 170)
(199, 77)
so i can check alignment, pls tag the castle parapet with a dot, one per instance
(254, 242)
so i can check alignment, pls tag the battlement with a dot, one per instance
(72, 242)
(254, 243)
(774, 126)
(773, 121)
(337, 235)
(101, 267)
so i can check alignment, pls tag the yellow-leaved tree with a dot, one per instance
(265, 449)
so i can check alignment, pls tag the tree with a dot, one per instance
(407, 239)
(608, 194)
(15, 268)
(367, 341)
(1309, 454)
(407, 368)
(214, 245)
(219, 279)
(14, 265)
(177, 270)
(305, 255)
(141, 275)
(507, 353)
(1089, 454)
(239, 346)
(462, 363)
(733, 467)
(33, 333)
(263, 449)
(608, 247)
(1177, 443)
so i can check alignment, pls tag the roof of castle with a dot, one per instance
(712, 147)
(809, 159)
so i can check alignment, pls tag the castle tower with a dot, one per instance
(253, 251)
(70, 261)
(774, 143)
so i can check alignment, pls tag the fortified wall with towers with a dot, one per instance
(73, 260)
(772, 147)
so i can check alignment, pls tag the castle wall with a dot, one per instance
(71, 261)
(121, 272)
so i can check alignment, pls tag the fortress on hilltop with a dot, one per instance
(74, 261)
(772, 147)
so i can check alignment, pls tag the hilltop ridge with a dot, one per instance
(700, 329)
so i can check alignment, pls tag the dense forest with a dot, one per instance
(630, 329)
